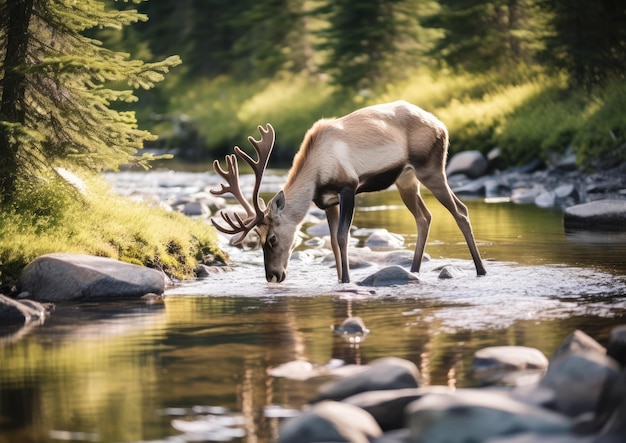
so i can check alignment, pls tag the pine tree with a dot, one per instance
(363, 38)
(59, 87)
(587, 39)
(480, 35)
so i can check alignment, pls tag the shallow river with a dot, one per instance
(199, 366)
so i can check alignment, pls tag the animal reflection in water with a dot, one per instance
(367, 150)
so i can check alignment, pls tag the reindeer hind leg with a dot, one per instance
(409, 189)
(438, 185)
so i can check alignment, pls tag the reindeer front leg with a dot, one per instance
(332, 216)
(346, 213)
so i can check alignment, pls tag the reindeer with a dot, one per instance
(367, 150)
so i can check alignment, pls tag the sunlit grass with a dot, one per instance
(528, 114)
(56, 218)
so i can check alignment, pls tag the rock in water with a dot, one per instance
(382, 374)
(391, 275)
(472, 415)
(20, 312)
(330, 421)
(599, 214)
(59, 277)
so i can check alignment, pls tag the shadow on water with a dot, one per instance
(196, 367)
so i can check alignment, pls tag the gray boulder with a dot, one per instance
(382, 374)
(578, 341)
(60, 277)
(450, 271)
(381, 238)
(471, 163)
(391, 275)
(616, 347)
(599, 214)
(611, 408)
(330, 421)
(472, 415)
(195, 209)
(508, 364)
(609, 417)
(546, 199)
(577, 380)
(524, 195)
(387, 407)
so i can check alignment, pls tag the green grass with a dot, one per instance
(527, 115)
(54, 217)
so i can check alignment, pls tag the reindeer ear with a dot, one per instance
(278, 203)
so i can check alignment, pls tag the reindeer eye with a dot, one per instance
(272, 241)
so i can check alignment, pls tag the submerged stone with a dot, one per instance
(391, 275)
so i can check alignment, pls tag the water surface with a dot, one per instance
(195, 368)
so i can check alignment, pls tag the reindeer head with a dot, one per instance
(276, 234)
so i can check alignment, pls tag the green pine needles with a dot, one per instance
(60, 88)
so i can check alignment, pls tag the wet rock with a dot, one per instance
(599, 214)
(567, 163)
(402, 258)
(195, 209)
(450, 271)
(524, 196)
(387, 407)
(610, 413)
(472, 188)
(381, 238)
(616, 347)
(330, 421)
(382, 374)
(472, 163)
(294, 370)
(577, 380)
(609, 417)
(545, 199)
(473, 415)
(495, 188)
(508, 364)
(564, 191)
(204, 271)
(578, 341)
(153, 299)
(391, 275)
(59, 277)
(20, 312)
(352, 330)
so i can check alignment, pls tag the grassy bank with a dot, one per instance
(527, 115)
(55, 216)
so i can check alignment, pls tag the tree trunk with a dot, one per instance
(13, 91)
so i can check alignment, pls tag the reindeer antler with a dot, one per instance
(255, 213)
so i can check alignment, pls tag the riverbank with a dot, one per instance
(80, 214)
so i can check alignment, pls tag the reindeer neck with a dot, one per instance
(299, 195)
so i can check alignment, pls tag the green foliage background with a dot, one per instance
(532, 77)
(510, 74)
